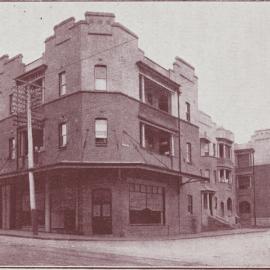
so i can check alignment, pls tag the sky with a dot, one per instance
(228, 43)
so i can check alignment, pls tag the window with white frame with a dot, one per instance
(100, 77)
(101, 131)
(12, 148)
(146, 204)
(187, 111)
(62, 83)
(62, 134)
(188, 153)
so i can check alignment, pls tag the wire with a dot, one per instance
(152, 153)
(84, 58)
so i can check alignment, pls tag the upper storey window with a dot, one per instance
(243, 160)
(224, 150)
(187, 111)
(11, 109)
(154, 94)
(101, 131)
(101, 78)
(156, 140)
(62, 83)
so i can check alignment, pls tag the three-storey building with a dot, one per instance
(116, 136)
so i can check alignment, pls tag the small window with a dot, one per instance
(190, 204)
(62, 83)
(188, 153)
(229, 204)
(207, 173)
(244, 207)
(216, 202)
(243, 160)
(221, 150)
(62, 134)
(11, 105)
(101, 131)
(243, 182)
(101, 78)
(215, 176)
(222, 210)
(214, 149)
(205, 201)
(187, 111)
(23, 143)
(12, 148)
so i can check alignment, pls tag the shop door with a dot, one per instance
(102, 211)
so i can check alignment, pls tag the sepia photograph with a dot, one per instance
(135, 134)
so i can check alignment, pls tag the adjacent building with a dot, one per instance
(253, 179)
(217, 164)
(119, 144)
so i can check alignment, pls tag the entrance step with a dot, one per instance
(216, 224)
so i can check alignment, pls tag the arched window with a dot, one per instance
(244, 207)
(222, 208)
(229, 204)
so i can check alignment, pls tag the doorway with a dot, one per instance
(102, 211)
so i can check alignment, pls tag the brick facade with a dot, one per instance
(142, 178)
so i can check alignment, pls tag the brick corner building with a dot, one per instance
(111, 153)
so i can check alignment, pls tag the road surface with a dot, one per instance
(242, 250)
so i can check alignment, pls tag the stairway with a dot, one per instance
(216, 224)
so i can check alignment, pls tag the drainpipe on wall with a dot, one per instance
(179, 151)
(254, 196)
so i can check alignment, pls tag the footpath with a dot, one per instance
(74, 237)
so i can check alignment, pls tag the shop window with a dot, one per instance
(62, 83)
(146, 205)
(244, 207)
(187, 111)
(243, 182)
(12, 148)
(100, 78)
(188, 153)
(190, 204)
(62, 134)
(101, 131)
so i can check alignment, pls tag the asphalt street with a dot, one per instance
(241, 250)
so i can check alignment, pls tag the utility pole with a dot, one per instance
(31, 162)
(24, 117)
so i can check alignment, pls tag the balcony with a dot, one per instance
(157, 116)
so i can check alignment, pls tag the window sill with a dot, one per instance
(62, 148)
(147, 225)
(101, 144)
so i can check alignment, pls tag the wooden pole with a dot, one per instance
(31, 164)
